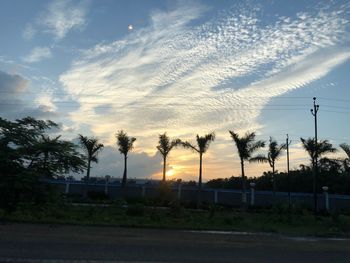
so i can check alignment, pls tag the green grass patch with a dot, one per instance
(177, 217)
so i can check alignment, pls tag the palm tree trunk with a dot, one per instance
(87, 178)
(199, 199)
(125, 171)
(273, 180)
(88, 171)
(164, 167)
(200, 171)
(244, 194)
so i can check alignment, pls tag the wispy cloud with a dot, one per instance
(191, 79)
(29, 32)
(59, 18)
(38, 54)
(63, 16)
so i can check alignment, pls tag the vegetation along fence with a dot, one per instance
(227, 197)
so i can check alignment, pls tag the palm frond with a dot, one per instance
(91, 146)
(188, 145)
(346, 148)
(165, 145)
(259, 159)
(125, 143)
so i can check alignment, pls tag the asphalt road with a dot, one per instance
(65, 243)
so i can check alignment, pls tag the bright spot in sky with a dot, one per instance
(170, 172)
(130, 27)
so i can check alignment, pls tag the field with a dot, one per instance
(300, 222)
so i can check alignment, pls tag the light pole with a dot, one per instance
(314, 159)
(288, 175)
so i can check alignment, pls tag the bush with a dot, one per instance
(213, 209)
(165, 194)
(97, 195)
(176, 210)
(155, 215)
(135, 210)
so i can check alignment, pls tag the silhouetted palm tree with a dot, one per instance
(126, 144)
(346, 162)
(246, 146)
(202, 146)
(273, 155)
(316, 150)
(323, 147)
(164, 147)
(92, 147)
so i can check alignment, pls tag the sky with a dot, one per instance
(181, 67)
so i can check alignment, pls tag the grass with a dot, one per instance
(176, 217)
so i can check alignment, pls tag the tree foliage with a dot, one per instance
(318, 150)
(92, 147)
(346, 162)
(273, 154)
(202, 146)
(246, 147)
(28, 155)
(125, 144)
(164, 147)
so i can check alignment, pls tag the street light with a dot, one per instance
(314, 159)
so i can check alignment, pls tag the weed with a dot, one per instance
(135, 210)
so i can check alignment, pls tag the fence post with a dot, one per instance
(106, 184)
(67, 188)
(326, 197)
(179, 189)
(143, 190)
(215, 196)
(252, 194)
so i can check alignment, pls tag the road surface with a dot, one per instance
(66, 243)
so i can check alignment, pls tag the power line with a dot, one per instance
(160, 96)
(333, 99)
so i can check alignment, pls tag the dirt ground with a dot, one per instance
(66, 243)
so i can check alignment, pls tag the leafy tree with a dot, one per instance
(346, 162)
(53, 157)
(164, 147)
(323, 147)
(316, 150)
(92, 147)
(273, 155)
(126, 144)
(246, 146)
(202, 146)
(27, 155)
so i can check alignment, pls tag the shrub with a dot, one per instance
(97, 195)
(135, 210)
(176, 210)
(165, 194)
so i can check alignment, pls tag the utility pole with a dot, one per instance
(288, 142)
(314, 159)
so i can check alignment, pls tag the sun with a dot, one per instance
(171, 172)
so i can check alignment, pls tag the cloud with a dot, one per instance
(184, 79)
(29, 32)
(12, 83)
(63, 16)
(59, 18)
(16, 103)
(111, 162)
(38, 54)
